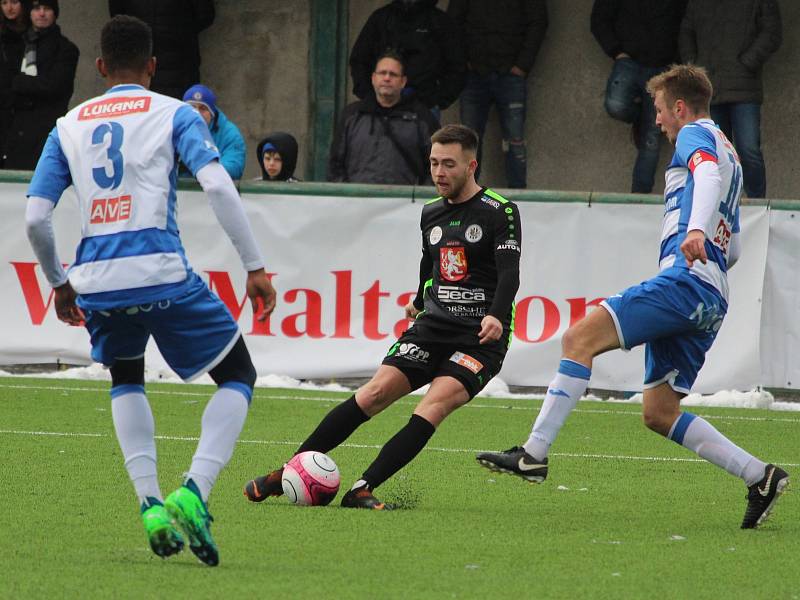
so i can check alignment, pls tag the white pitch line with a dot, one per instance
(177, 438)
(260, 395)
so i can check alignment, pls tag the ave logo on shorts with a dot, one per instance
(453, 263)
(435, 235)
(466, 361)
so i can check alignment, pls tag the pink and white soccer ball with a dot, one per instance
(310, 479)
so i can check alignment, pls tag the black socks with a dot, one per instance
(335, 427)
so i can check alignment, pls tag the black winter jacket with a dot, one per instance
(176, 25)
(429, 42)
(647, 30)
(40, 100)
(501, 34)
(732, 39)
(363, 152)
(12, 48)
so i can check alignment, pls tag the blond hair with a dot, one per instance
(689, 83)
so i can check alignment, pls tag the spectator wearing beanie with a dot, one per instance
(277, 157)
(226, 136)
(42, 88)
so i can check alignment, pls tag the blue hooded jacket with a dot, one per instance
(229, 141)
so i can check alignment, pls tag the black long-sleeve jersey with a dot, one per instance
(470, 265)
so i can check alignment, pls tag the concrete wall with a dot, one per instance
(256, 59)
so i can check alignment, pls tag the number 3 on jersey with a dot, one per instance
(109, 137)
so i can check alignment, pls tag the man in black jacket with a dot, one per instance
(42, 88)
(503, 39)
(642, 38)
(733, 39)
(176, 25)
(427, 40)
(384, 138)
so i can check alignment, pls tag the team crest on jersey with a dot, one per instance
(453, 263)
(114, 107)
(474, 233)
(435, 235)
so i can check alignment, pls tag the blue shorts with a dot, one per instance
(194, 332)
(677, 316)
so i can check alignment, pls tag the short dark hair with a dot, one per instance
(126, 44)
(689, 83)
(456, 133)
(394, 54)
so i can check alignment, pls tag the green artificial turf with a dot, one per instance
(623, 514)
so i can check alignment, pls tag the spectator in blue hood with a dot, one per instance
(226, 135)
(277, 157)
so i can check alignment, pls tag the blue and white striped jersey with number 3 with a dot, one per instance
(120, 152)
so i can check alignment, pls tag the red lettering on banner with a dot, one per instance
(578, 308)
(34, 300)
(551, 320)
(312, 315)
(403, 324)
(372, 300)
(344, 289)
(220, 283)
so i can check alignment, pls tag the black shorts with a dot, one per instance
(422, 356)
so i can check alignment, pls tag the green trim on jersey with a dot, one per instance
(495, 195)
(428, 284)
(432, 201)
(511, 327)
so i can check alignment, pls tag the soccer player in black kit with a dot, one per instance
(463, 310)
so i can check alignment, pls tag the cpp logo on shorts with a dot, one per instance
(410, 352)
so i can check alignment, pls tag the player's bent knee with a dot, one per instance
(656, 421)
(236, 366)
(127, 372)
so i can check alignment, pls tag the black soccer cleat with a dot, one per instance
(515, 461)
(261, 488)
(762, 496)
(362, 498)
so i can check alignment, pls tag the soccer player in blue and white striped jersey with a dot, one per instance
(677, 313)
(130, 279)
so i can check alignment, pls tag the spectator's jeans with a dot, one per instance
(627, 100)
(741, 123)
(508, 92)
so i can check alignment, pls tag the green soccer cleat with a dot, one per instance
(187, 507)
(165, 540)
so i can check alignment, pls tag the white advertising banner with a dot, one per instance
(344, 268)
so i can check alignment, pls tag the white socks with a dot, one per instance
(562, 395)
(133, 422)
(699, 436)
(222, 423)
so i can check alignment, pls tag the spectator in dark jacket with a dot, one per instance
(277, 157)
(15, 19)
(176, 25)
(427, 40)
(642, 38)
(42, 88)
(733, 39)
(384, 138)
(503, 38)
